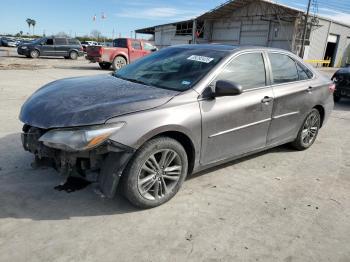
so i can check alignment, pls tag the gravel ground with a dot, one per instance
(279, 205)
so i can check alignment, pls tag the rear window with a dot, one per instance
(120, 43)
(73, 41)
(284, 69)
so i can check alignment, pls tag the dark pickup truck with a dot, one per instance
(123, 52)
(341, 78)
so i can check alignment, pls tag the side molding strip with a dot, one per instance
(287, 114)
(240, 127)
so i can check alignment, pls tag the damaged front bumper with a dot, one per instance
(103, 164)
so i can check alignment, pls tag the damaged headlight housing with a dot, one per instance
(79, 139)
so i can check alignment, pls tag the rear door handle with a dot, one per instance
(309, 89)
(266, 99)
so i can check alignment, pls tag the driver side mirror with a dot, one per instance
(227, 88)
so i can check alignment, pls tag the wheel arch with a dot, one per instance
(122, 55)
(321, 110)
(180, 136)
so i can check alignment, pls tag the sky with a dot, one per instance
(75, 17)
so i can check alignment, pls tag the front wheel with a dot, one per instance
(34, 54)
(118, 62)
(308, 131)
(155, 173)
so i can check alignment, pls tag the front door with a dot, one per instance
(136, 50)
(235, 125)
(47, 48)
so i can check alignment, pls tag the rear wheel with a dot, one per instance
(73, 55)
(118, 62)
(34, 54)
(155, 173)
(105, 65)
(308, 131)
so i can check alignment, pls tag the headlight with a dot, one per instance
(24, 47)
(78, 139)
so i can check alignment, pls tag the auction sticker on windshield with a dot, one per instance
(198, 58)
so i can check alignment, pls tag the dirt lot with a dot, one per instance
(280, 205)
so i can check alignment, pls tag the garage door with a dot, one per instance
(254, 33)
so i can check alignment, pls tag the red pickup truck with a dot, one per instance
(123, 52)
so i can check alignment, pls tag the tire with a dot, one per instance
(73, 55)
(336, 97)
(118, 62)
(34, 54)
(308, 131)
(105, 65)
(142, 185)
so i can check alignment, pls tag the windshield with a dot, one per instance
(172, 68)
(36, 41)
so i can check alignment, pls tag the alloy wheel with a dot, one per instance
(310, 128)
(159, 174)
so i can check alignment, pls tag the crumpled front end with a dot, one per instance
(103, 164)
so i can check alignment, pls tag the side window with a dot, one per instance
(120, 43)
(148, 46)
(284, 69)
(304, 72)
(60, 41)
(247, 70)
(48, 41)
(72, 41)
(136, 44)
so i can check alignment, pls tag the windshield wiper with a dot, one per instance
(131, 80)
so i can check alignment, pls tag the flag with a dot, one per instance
(94, 18)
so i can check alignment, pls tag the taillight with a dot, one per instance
(100, 51)
(332, 87)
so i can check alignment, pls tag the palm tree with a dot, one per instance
(33, 24)
(29, 22)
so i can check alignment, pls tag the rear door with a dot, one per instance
(234, 125)
(135, 50)
(61, 47)
(294, 95)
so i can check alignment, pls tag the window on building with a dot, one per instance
(248, 70)
(283, 68)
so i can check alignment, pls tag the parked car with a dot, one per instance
(341, 79)
(175, 112)
(52, 46)
(84, 44)
(9, 42)
(123, 52)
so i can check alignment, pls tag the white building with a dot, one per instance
(262, 23)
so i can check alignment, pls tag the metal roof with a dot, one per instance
(225, 10)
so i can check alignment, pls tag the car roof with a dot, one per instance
(230, 48)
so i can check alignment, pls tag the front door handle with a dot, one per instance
(266, 99)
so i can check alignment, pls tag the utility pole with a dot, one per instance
(305, 29)
(194, 31)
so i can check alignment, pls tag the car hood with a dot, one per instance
(88, 101)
